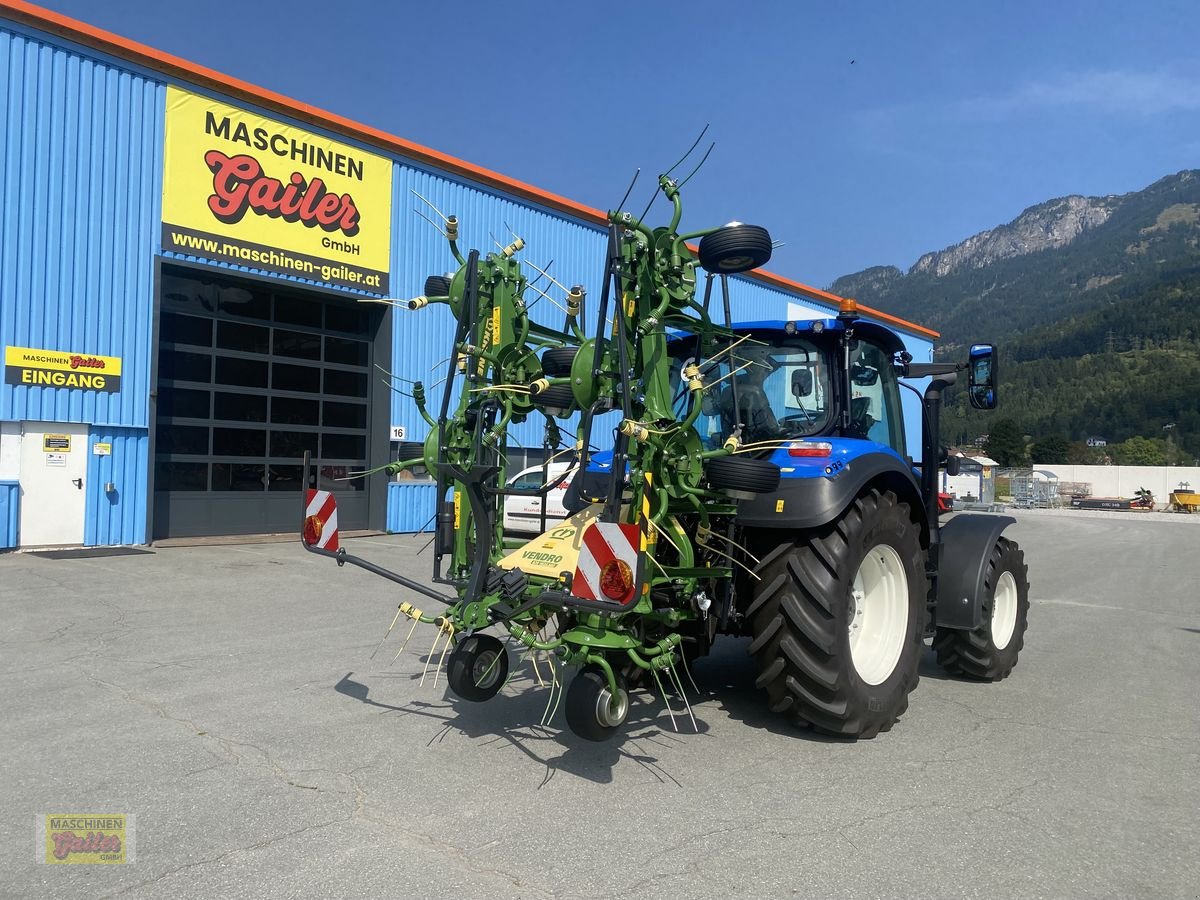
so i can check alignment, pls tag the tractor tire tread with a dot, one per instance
(971, 653)
(798, 614)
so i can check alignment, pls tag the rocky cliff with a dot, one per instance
(1054, 262)
(1041, 227)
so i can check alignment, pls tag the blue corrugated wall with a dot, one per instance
(81, 179)
(118, 516)
(10, 492)
(411, 506)
(81, 175)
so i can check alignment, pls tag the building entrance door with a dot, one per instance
(52, 475)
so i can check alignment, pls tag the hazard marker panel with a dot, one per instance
(607, 546)
(320, 521)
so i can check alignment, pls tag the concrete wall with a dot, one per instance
(1123, 481)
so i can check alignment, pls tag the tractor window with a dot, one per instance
(783, 391)
(875, 412)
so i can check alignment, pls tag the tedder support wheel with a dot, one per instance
(990, 651)
(741, 474)
(592, 711)
(557, 400)
(735, 248)
(437, 286)
(478, 668)
(410, 450)
(557, 363)
(838, 616)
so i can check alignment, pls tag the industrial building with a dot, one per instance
(182, 260)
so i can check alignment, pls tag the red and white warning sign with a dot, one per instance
(608, 563)
(320, 520)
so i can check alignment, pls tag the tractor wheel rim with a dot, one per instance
(1004, 610)
(609, 712)
(878, 614)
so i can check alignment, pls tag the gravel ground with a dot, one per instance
(226, 696)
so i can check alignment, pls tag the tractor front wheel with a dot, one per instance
(837, 619)
(990, 651)
(593, 712)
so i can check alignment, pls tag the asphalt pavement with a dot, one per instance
(227, 698)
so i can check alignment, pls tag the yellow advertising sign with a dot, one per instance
(244, 189)
(78, 839)
(62, 368)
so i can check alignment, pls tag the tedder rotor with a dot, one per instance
(615, 589)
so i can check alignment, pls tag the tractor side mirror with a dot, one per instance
(802, 383)
(952, 465)
(981, 372)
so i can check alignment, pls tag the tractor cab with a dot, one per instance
(779, 381)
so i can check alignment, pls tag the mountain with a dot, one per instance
(1093, 303)
(1054, 261)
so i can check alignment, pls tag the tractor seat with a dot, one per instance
(860, 417)
(754, 412)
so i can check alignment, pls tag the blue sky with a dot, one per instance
(952, 118)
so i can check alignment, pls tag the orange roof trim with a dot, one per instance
(115, 45)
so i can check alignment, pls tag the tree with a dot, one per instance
(1006, 443)
(1080, 454)
(1052, 450)
(1139, 451)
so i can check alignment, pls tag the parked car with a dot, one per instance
(524, 514)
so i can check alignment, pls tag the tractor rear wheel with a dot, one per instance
(990, 651)
(837, 619)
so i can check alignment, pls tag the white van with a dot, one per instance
(524, 514)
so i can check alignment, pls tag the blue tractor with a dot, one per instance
(852, 570)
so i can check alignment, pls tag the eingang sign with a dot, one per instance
(255, 192)
(63, 369)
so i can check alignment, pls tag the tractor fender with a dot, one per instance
(967, 542)
(813, 500)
